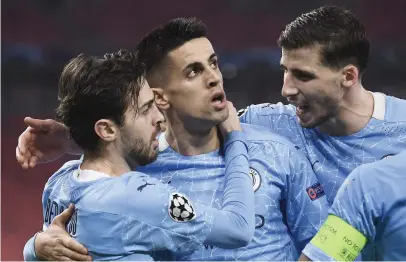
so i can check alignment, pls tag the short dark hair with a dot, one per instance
(339, 32)
(155, 46)
(93, 88)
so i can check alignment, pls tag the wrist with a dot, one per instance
(37, 245)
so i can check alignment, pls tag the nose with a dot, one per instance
(288, 88)
(158, 116)
(214, 77)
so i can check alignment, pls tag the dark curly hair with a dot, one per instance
(93, 88)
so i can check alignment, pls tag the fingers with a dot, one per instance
(21, 159)
(39, 124)
(76, 251)
(64, 217)
(23, 140)
(72, 256)
(32, 162)
(63, 258)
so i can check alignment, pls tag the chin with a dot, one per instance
(221, 116)
(314, 122)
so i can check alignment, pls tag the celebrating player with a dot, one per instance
(182, 69)
(331, 117)
(109, 110)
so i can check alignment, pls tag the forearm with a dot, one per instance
(234, 224)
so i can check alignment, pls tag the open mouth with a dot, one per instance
(218, 99)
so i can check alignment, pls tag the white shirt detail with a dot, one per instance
(87, 175)
(379, 106)
(163, 143)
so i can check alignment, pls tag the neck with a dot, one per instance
(354, 113)
(109, 163)
(189, 141)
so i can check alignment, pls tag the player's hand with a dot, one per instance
(43, 141)
(56, 244)
(232, 123)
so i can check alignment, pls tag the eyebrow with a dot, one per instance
(212, 56)
(194, 64)
(299, 71)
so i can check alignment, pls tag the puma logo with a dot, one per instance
(140, 188)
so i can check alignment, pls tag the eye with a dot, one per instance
(285, 71)
(146, 110)
(303, 76)
(214, 64)
(192, 73)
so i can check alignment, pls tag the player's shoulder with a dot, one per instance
(136, 178)
(116, 194)
(267, 109)
(384, 171)
(384, 176)
(259, 134)
(63, 171)
(390, 108)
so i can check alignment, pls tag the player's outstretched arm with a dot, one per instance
(43, 141)
(55, 244)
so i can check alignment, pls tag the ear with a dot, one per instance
(350, 75)
(161, 98)
(106, 129)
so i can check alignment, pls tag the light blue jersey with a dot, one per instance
(136, 217)
(290, 203)
(333, 158)
(372, 201)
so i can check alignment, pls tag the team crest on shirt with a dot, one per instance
(256, 179)
(180, 208)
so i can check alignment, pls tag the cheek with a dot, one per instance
(183, 93)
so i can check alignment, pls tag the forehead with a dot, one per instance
(305, 58)
(145, 94)
(195, 50)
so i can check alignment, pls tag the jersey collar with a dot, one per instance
(87, 175)
(379, 106)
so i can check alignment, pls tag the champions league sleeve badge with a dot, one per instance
(180, 208)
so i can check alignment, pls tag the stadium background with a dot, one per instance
(39, 36)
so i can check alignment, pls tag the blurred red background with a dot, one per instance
(38, 37)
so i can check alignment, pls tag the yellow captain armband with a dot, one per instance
(339, 240)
